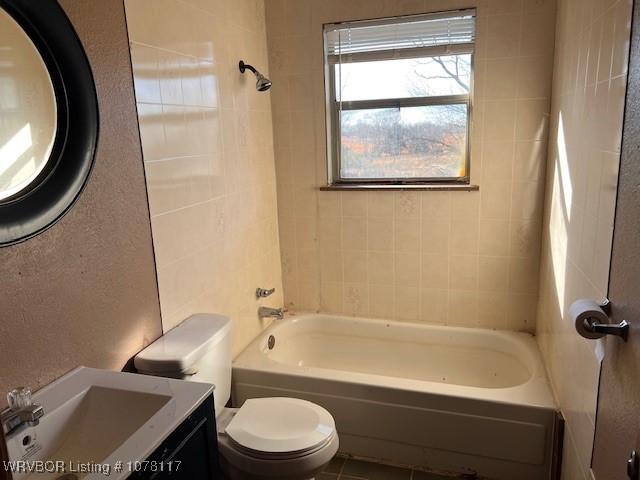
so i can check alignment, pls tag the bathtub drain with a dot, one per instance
(271, 342)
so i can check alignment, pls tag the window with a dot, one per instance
(399, 99)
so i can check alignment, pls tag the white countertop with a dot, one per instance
(83, 401)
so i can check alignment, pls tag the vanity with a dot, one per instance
(101, 424)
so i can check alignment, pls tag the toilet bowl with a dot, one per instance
(266, 438)
(283, 438)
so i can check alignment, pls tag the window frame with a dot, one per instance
(332, 108)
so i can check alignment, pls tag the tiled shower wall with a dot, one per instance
(208, 153)
(462, 258)
(592, 45)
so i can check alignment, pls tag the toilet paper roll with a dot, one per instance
(585, 309)
(599, 350)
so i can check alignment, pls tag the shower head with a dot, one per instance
(262, 83)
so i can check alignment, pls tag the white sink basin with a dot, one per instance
(97, 420)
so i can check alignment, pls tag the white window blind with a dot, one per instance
(450, 31)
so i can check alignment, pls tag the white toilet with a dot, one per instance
(266, 438)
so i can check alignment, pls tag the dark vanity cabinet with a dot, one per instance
(189, 453)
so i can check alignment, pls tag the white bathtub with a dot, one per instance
(443, 398)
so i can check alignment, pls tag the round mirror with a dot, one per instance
(27, 110)
(48, 117)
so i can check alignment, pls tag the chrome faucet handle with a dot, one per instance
(264, 293)
(21, 411)
(19, 398)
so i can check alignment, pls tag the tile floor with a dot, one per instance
(349, 469)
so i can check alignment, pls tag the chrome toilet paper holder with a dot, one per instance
(617, 329)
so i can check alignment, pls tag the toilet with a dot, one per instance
(266, 438)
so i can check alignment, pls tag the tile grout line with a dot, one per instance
(345, 460)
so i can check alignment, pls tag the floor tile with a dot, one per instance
(327, 476)
(335, 465)
(418, 475)
(374, 471)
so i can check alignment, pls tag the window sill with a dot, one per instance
(382, 187)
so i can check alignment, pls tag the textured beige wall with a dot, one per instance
(589, 85)
(208, 154)
(461, 258)
(84, 292)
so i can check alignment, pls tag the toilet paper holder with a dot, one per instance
(601, 329)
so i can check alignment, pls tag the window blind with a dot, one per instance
(393, 36)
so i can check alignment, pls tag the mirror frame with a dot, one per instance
(55, 190)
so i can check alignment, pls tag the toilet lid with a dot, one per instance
(280, 425)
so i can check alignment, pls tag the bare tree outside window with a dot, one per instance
(456, 68)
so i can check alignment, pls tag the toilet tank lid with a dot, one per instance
(180, 348)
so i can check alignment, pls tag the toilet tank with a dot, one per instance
(199, 350)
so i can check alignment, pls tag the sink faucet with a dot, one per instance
(267, 312)
(21, 411)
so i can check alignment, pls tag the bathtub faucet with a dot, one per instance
(267, 312)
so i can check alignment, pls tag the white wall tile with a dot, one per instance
(582, 175)
(419, 243)
(208, 150)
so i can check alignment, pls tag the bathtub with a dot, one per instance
(459, 400)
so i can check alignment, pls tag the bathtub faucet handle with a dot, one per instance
(264, 293)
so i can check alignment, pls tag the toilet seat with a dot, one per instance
(280, 428)
(279, 456)
(240, 465)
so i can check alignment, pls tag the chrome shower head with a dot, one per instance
(262, 83)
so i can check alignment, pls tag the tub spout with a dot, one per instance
(267, 312)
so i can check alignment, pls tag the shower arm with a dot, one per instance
(245, 66)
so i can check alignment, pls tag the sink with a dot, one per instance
(96, 422)
(93, 424)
